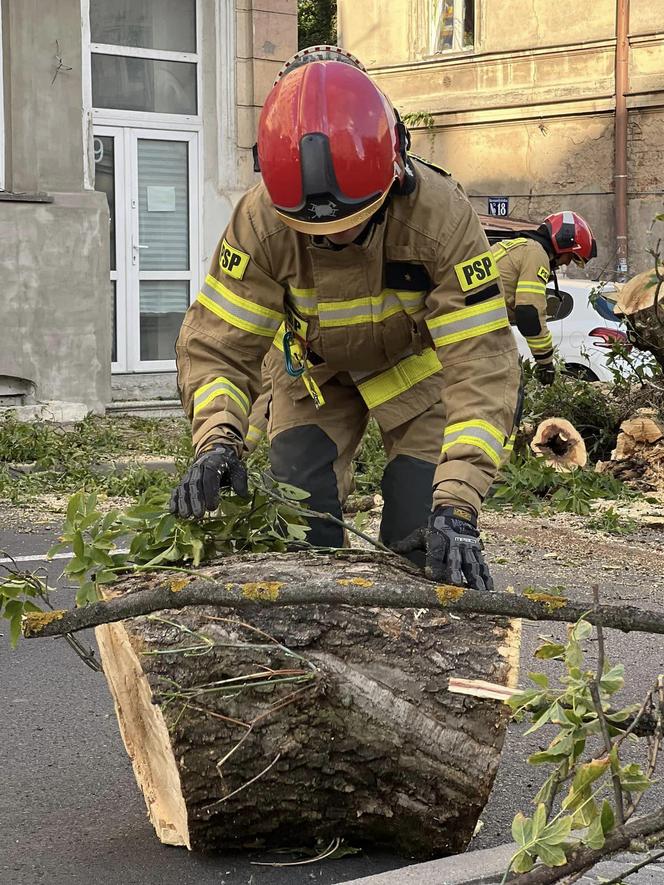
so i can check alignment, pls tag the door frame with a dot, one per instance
(127, 275)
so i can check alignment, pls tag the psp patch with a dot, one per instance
(543, 274)
(477, 271)
(232, 261)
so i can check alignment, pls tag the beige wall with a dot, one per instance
(529, 113)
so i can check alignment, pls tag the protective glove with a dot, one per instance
(545, 374)
(215, 469)
(453, 549)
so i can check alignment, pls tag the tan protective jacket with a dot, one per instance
(422, 291)
(524, 270)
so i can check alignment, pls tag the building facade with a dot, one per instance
(518, 101)
(126, 129)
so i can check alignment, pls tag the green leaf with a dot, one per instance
(521, 829)
(582, 630)
(522, 862)
(15, 628)
(607, 817)
(551, 855)
(557, 831)
(539, 820)
(594, 837)
(78, 545)
(613, 680)
(549, 651)
(633, 779)
(74, 506)
(540, 679)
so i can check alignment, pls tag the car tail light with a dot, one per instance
(609, 337)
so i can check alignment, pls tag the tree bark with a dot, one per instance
(312, 578)
(641, 302)
(337, 721)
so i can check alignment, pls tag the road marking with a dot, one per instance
(43, 557)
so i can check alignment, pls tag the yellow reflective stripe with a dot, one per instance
(254, 434)
(509, 445)
(304, 300)
(219, 387)
(251, 306)
(499, 252)
(478, 433)
(469, 322)
(279, 337)
(540, 343)
(238, 311)
(369, 309)
(536, 288)
(400, 378)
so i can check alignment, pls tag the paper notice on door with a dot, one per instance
(161, 199)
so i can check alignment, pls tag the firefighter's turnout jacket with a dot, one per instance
(524, 270)
(420, 292)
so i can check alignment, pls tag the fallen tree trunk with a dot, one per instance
(277, 727)
(641, 302)
(340, 578)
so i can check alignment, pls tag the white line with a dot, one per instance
(43, 557)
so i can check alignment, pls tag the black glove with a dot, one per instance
(545, 374)
(198, 491)
(453, 548)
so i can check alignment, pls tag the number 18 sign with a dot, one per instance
(499, 206)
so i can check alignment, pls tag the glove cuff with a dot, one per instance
(467, 515)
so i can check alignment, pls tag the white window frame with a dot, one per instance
(457, 35)
(108, 121)
(128, 275)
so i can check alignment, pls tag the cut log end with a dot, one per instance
(560, 444)
(314, 723)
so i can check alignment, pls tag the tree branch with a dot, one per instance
(585, 858)
(311, 578)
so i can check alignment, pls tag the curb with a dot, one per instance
(483, 867)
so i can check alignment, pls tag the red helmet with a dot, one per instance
(330, 144)
(570, 232)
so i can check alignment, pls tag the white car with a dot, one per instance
(582, 334)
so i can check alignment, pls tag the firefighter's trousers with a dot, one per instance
(313, 449)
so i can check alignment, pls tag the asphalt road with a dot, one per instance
(71, 812)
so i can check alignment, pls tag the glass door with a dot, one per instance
(150, 179)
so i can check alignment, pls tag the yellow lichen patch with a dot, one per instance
(355, 582)
(262, 591)
(34, 622)
(548, 600)
(178, 584)
(449, 593)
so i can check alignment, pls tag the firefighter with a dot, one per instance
(526, 264)
(357, 271)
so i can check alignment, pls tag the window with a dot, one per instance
(452, 25)
(144, 56)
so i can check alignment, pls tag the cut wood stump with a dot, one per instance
(638, 457)
(280, 727)
(559, 443)
(641, 302)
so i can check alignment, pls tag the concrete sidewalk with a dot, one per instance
(488, 866)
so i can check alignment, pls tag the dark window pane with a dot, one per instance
(163, 305)
(150, 24)
(469, 24)
(105, 179)
(143, 84)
